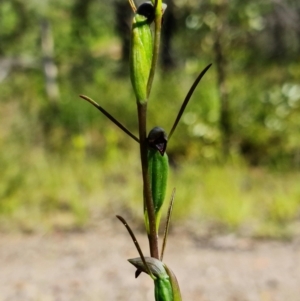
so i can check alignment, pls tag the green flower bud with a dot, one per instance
(141, 50)
(158, 166)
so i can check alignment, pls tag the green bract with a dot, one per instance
(141, 50)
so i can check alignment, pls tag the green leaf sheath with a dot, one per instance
(174, 284)
(165, 285)
(158, 166)
(163, 289)
(141, 50)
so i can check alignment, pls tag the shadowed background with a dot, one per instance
(235, 156)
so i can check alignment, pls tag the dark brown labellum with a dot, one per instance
(157, 139)
(147, 10)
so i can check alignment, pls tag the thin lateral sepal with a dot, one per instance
(157, 33)
(110, 117)
(132, 5)
(187, 99)
(123, 221)
(167, 224)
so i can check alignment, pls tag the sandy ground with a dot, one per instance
(92, 266)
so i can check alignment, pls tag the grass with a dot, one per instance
(251, 201)
(44, 191)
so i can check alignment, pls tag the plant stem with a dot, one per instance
(142, 117)
(152, 236)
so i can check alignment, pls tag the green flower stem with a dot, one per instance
(157, 31)
(152, 236)
(142, 117)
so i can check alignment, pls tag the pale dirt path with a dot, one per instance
(92, 266)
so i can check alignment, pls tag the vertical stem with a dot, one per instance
(142, 117)
(152, 237)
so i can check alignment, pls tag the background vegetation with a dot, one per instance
(235, 157)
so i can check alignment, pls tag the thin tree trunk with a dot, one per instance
(49, 67)
(168, 30)
(225, 124)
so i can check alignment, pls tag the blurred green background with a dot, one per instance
(235, 157)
